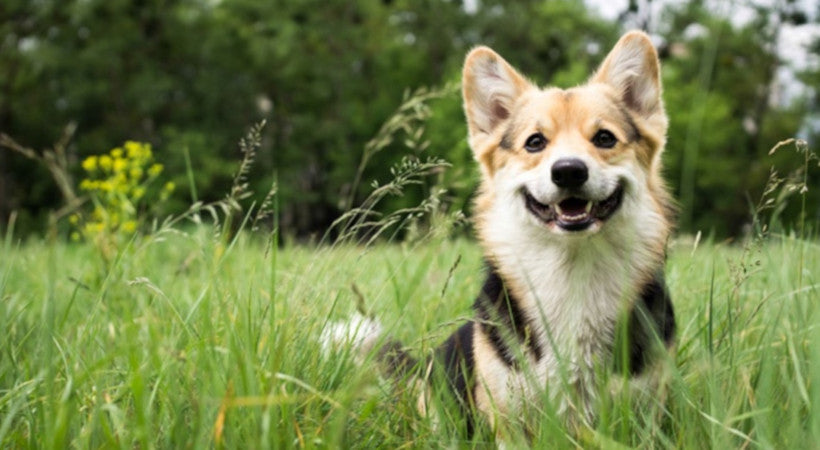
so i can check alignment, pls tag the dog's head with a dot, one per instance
(567, 163)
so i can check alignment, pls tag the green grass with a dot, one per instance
(185, 342)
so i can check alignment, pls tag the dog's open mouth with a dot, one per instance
(574, 213)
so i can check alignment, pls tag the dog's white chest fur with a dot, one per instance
(574, 307)
(573, 302)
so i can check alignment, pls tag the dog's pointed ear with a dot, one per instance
(633, 70)
(490, 87)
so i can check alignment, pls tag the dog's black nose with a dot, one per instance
(569, 173)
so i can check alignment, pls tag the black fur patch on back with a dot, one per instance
(651, 321)
(503, 320)
(456, 358)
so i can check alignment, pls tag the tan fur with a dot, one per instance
(491, 387)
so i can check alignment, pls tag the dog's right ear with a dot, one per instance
(490, 87)
(633, 71)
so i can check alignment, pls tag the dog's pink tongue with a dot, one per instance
(573, 206)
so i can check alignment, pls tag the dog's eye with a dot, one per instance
(604, 139)
(535, 143)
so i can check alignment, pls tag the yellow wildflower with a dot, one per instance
(119, 164)
(87, 185)
(132, 148)
(105, 162)
(155, 170)
(116, 182)
(90, 164)
(129, 226)
(119, 179)
(137, 150)
(93, 227)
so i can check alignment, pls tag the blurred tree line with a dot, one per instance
(190, 76)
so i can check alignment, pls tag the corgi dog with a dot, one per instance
(573, 218)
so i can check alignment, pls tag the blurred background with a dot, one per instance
(191, 77)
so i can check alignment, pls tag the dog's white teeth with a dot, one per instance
(577, 215)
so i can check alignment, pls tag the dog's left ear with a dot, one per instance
(633, 70)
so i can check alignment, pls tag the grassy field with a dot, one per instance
(188, 341)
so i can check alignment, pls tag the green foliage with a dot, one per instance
(186, 75)
(724, 119)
